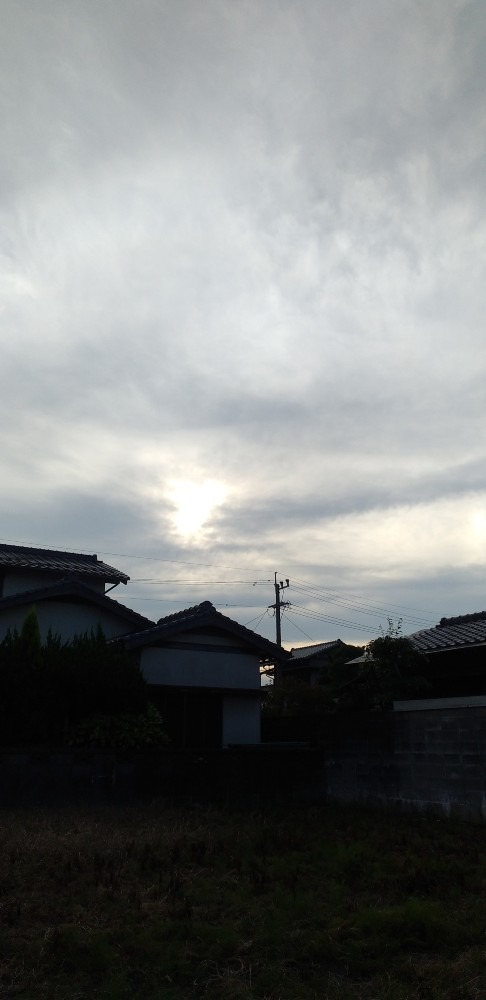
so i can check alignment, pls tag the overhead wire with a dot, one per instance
(306, 613)
(314, 591)
(330, 594)
(255, 619)
(194, 583)
(323, 595)
(310, 591)
(167, 600)
(125, 555)
(294, 624)
(374, 610)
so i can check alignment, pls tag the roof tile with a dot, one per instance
(204, 614)
(452, 633)
(21, 557)
(306, 652)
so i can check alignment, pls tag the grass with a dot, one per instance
(304, 903)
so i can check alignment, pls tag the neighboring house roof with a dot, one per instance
(21, 557)
(460, 632)
(202, 616)
(82, 594)
(359, 659)
(452, 633)
(309, 652)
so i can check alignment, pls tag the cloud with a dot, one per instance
(243, 244)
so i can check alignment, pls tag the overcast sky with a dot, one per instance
(243, 295)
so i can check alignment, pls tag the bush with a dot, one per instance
(123, 731)
(48, 688)
(393, 669)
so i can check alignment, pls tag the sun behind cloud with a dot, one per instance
(194, 503)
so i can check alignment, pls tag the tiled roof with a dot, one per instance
(307, 652)
(50, 561)
(197, 610)
(82, 593)
(452, 633)
(202, 615)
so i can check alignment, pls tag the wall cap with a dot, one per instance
(428, 704)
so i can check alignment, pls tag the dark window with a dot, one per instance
(192, 719)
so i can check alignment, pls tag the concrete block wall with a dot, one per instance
(436, 760)
(421, 756)
(441, 756)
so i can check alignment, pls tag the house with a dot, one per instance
(308, 663)
(23, 568)
(204, 672)
(455, 655)
(68, 591)
(202, 667)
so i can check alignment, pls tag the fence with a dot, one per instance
(422, 755)
(239, 775)
(425, 754)
(434, 757)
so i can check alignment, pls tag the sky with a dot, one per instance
(242, 294)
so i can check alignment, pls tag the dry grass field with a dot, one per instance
(304, 903)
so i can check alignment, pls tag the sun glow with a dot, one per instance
(194, 504)
(478, 527)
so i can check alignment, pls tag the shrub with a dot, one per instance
(123, 731)
(47, 688)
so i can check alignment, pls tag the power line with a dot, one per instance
(309, 612)
(167, 600)
(308, 591)
(294, 624)
(314, 591)
(306, 613)
(357, 597)
(150, 581)
(321, 594)
(259, 619)
(122, 555)
(367, 609)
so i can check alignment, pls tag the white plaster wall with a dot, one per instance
(64, 619)
(200, 668)
(205, 638)
(241, 719)
(18, 583)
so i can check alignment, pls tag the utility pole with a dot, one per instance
(279, 587)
